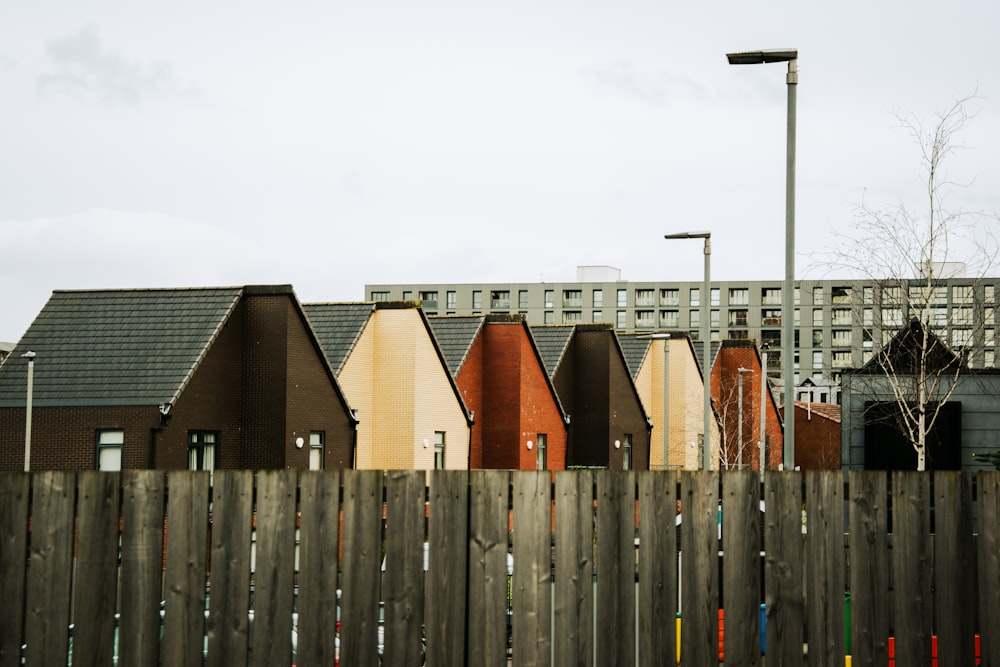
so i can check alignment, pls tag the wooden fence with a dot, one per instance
(121, 564)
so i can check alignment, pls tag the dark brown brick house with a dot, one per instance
(224, 377)
(608, 426)
(519, 422)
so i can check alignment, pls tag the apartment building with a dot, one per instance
(838, 323)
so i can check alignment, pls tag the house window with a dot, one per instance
(541, 460)
(645, 297)
(451, 300)
(622, 298)
(738, 318)
(770, 317)
(550, 297)
(670, 318)
(429, 299)
(572, 298)
(522, 298)
(110, 444)
(817, 337)
(644, 319)
(317, 451)
(572, 317)
(840, 295)
(203, 450)
(694, 298)
(380, 296)
(620, 319)
(670, 297)
(818, 296)
(627, 452)
(500, 299)
(840, 317)
(817, 359)
(477, 298)
(597, 316)
(598, 298)
(770, 296)
(439, 450)
(842, 337)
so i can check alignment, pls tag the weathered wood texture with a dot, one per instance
(485, 567)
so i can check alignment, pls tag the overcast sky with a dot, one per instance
(333, 144)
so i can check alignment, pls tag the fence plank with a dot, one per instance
(320, 539)
(700, 568)
(404, 568)
(232, 519)
(869, 571)
(825, 582)
(954, 568)
(741, 567)
(489, 594)
(988, 561)
(274, 576)
(94, 600)
(51, 557)
(615, 567)
(362, 547)
(574, 584)
(783, 568)
(184, 579)
(448, 538)
(14, 496)
(911, 556)
(532, 631)
(143, 497)
(657, 568)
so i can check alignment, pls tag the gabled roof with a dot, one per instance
(552, 342)
(455, 335)
(117, 347)
(713, 354)
(829, 411)
(902, 353)
(635, 348)
(338, 327)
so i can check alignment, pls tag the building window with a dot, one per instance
(770, 296)
(620, 321)
(797, 295)
(818, 296)
(770, 317)
(598, 298)
(841, 359)
(773, 339)
(477, 298)
(622, 298)
(961, 294)
(670, 318)
(429, 299)
(694, 318)
(840, 295)
(989, 358)
(694, 298)
(817, 317)
(645, 297)
(644, 319)
(817, 359)
(597, 316)
(892, 317)
(867, 317)
(989, 294)
(407, 295)
(317, 450)
(988, 337)
(500, 299)
(840, 317)
(572, 298)
(842, 337)
(550, 297)
(522, 298)
(541, 460)
(439, 450)
(670, 297)
(866, 338)
(961, 337)
(713, 318)
(203, 450)
(868, 295)
(739, 296)
(572, 317)
(962, 316)
(739, 334)
(714, 296)
(817, 337)
(110, 444)
(627, 452)
(550, 317)
(451, 299)
(738, 318)
(380, 296)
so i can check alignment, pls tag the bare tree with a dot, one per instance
(907, 258)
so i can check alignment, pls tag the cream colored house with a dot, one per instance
(647, 355)
(411, 414)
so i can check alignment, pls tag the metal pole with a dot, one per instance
(30, 356)
(763, 410)
(788, 352)
(707, 370)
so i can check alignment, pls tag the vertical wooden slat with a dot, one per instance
(96, 580)
(532, 630)
(657, 568)
(488, 581)
(783, 568)
(615, 567)
(869, 572)
(362, 547)
(825, 568)
(320, 531)
(232, 508)
(988, 561)
(143, 498)
(448, 544)
(14, 496)
(573, 640)
(51, 557)
(274, 575)
(741, 567)
(954, 569)
(184, 590)
(404, 568)
(700, 568)
(911, 556)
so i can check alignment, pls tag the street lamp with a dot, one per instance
(706, 459)
(788, 352)
(30, 356)
(739, 387)
(665, 337)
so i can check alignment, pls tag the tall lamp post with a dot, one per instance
(789, 56)
(30, 356)
(706, 439)
(739, 390)
(665, 337)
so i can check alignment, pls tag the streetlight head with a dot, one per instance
(29, 355)
(762, 56)
(689, 235)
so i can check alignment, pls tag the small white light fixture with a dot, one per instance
(299, 442)
(618, 444)
(427, 443)
(529, 445)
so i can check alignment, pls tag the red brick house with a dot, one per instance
(608, 426)
(519, 422)
(202, 378)
(817, 436)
